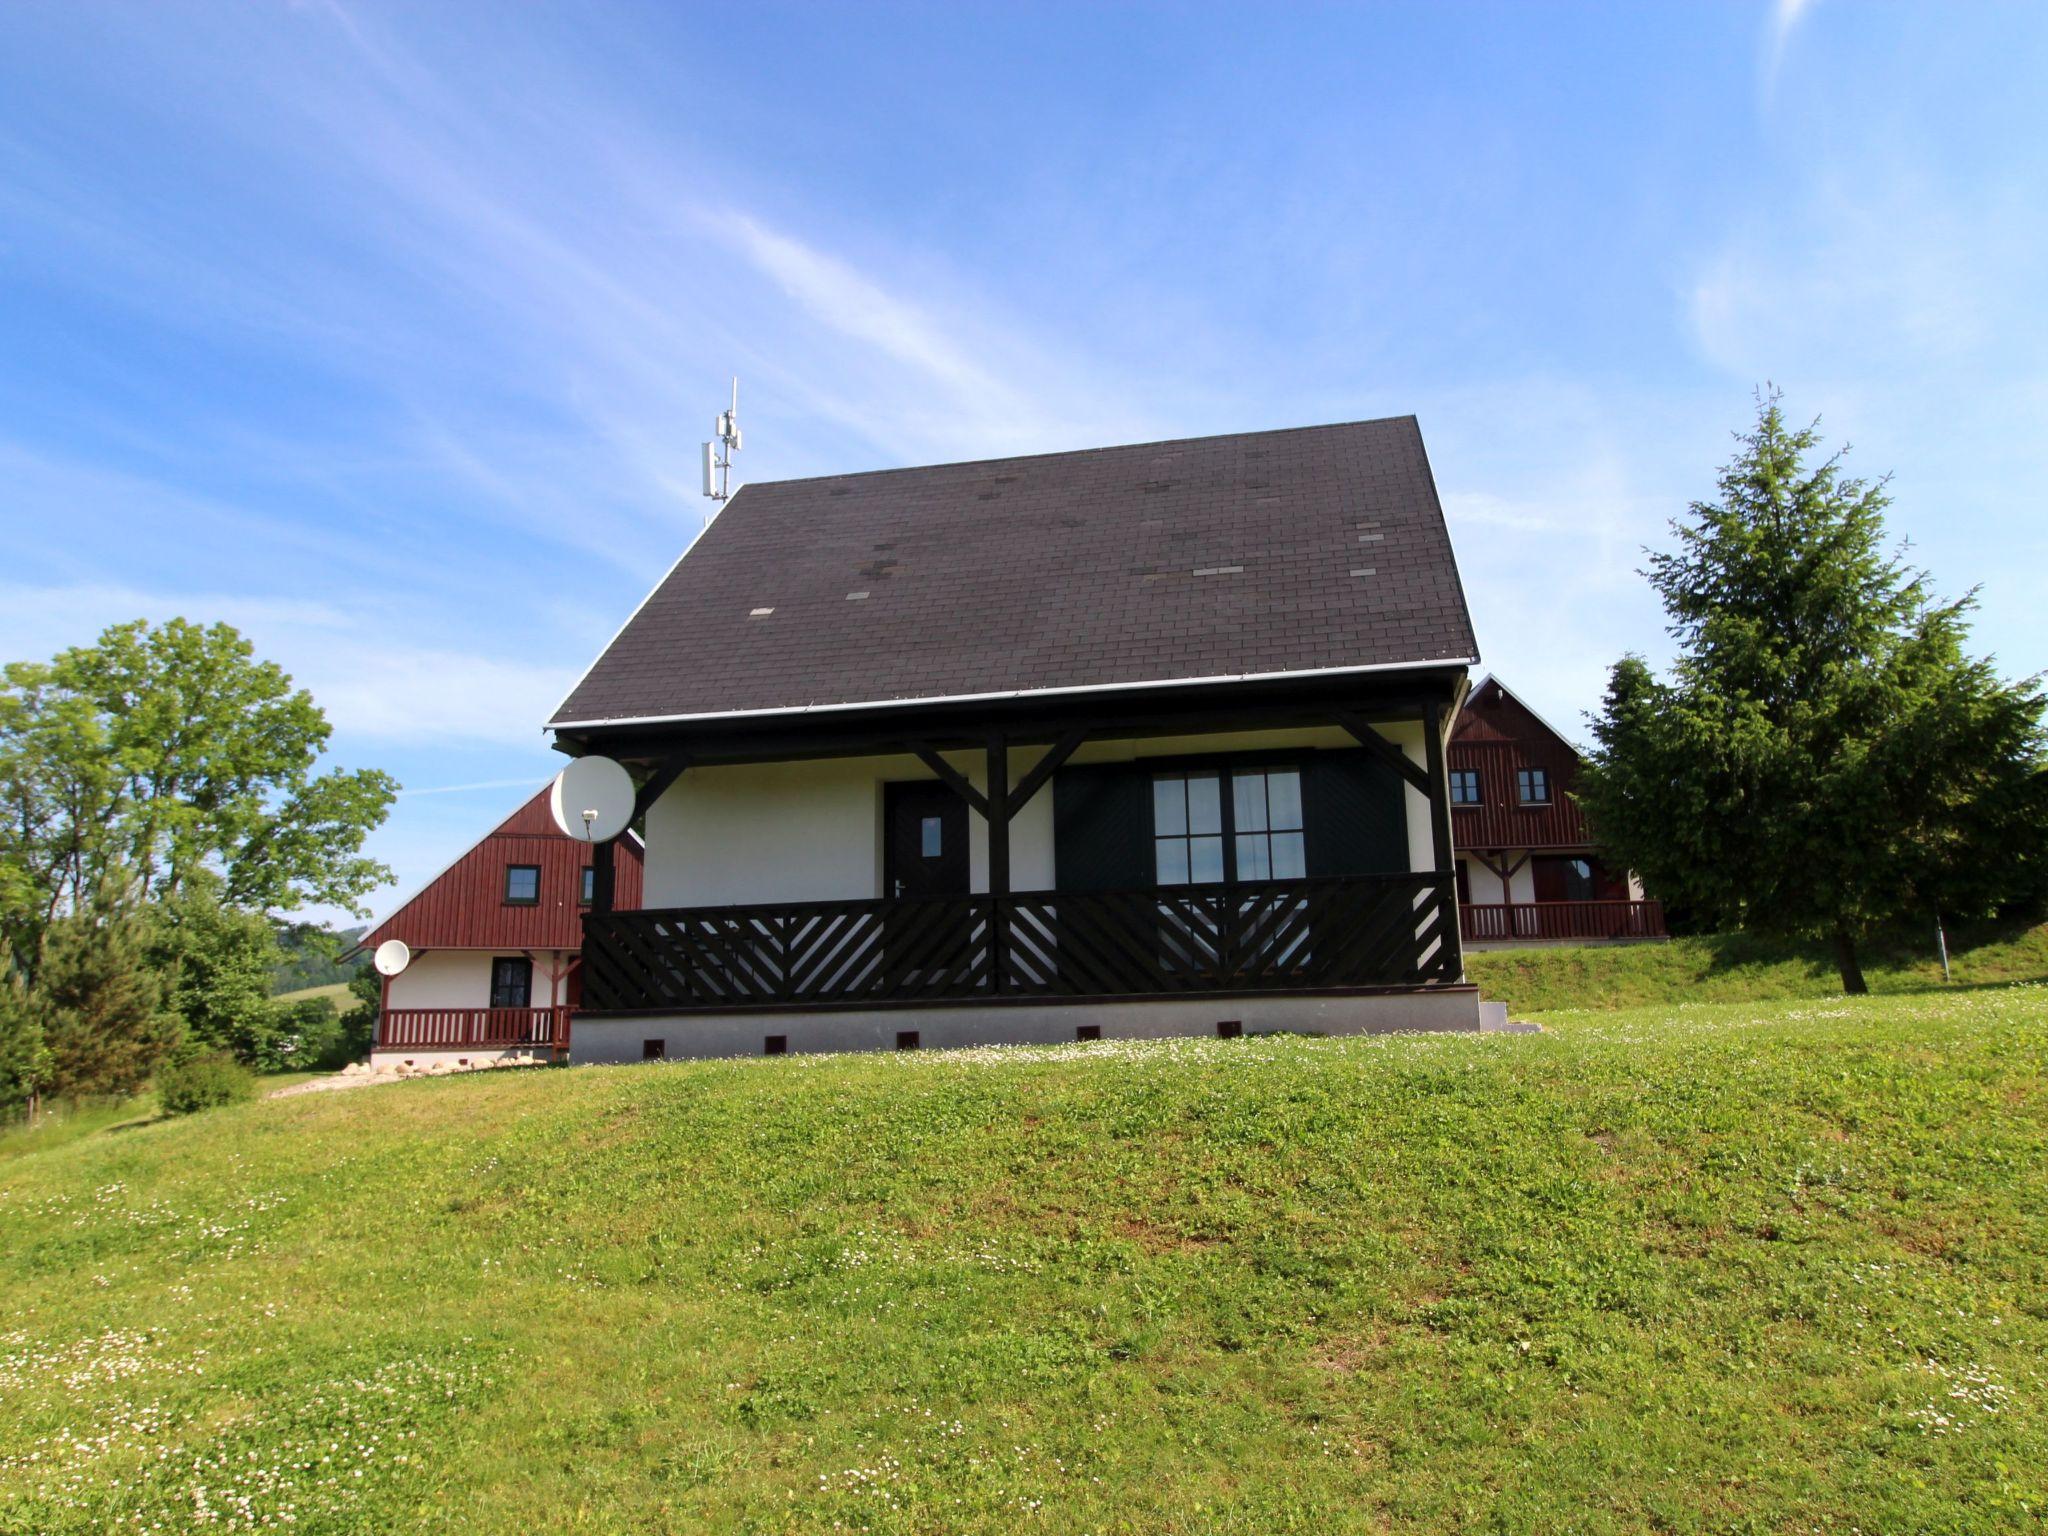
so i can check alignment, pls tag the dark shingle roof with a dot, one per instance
(1261, 552)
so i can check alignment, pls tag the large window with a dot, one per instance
(1464, 786)
(1201, 836)
(522, 885)
(1532, 786)
(1187, 828)
(1266, 809)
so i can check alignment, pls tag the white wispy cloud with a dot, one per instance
(1784, 21)
(381, 691)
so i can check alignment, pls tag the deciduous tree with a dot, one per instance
(169, 756)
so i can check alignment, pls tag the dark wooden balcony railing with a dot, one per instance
(1377, 930)
(441, 1029)
(1499, 922)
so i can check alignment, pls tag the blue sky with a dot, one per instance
(388, 332)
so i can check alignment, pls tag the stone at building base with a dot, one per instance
(635, 1037)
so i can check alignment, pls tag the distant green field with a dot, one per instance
(336, 993)
(1738, 968)
(1715, 1268)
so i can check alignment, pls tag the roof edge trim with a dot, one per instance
(1012, 693)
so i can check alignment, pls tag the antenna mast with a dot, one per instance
(725, 442)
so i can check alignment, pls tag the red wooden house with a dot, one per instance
(496, 940)
(1528, 871)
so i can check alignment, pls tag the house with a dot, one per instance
(1528, 871)
(1135, 741)
(493, 971)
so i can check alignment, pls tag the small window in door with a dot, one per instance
(511, 982)
(931, 837)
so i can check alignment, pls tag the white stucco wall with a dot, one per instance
(812, 831)
(461, 978)
(1485, 884)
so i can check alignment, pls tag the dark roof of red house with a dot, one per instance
(1260, 553)
(464, 906)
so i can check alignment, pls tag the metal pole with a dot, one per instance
(1941, 942)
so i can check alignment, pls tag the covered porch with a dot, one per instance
(1090, 929)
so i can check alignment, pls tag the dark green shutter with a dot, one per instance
(1102, 828)
(1356, 812)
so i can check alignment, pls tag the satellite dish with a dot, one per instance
(592, 799)
(392, 957)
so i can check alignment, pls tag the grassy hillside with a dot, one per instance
(336, 993)
(1738, 968)
(1757, 1268)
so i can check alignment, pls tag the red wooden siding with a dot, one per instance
(1496, 736)
(464, 908)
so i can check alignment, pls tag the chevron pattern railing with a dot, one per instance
(1297, 935)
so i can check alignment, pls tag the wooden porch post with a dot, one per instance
(602, 865)
(998, 816)
(998, 860)
(1453, 958)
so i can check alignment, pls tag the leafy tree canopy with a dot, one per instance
(168, 755)
(1825, 756)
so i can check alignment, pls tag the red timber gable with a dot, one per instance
(1496, 737)
(464, 907)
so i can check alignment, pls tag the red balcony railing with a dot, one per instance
(442, 1029)
(1536, 921)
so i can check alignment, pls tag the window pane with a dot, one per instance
(1169, 806)
(1252, 860)
(1205, 856)
(932, 837)
(522, 883)
(1205, 803)
(1283, 800)
(1248, 801)
(589, 883)
(1171, 855)
(1290, 857)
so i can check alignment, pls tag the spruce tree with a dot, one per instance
(99, 1004)
(1825, 756)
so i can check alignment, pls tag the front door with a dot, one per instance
(924, 841)
(924, 853)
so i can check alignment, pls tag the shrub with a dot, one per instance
(194, 1080)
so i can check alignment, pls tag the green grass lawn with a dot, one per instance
(1732, 1268)
(1733, 968)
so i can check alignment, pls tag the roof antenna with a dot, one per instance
(725, 442)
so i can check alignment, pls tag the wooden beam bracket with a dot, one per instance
(1042, 770)
(666, 772)
(952, 777)
(1388, 753)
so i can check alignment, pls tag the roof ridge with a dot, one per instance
(1077, 453)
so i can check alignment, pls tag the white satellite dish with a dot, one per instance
(392, 957)
(592, 799)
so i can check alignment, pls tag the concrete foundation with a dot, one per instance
(616, 1038)
(457, 1058)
